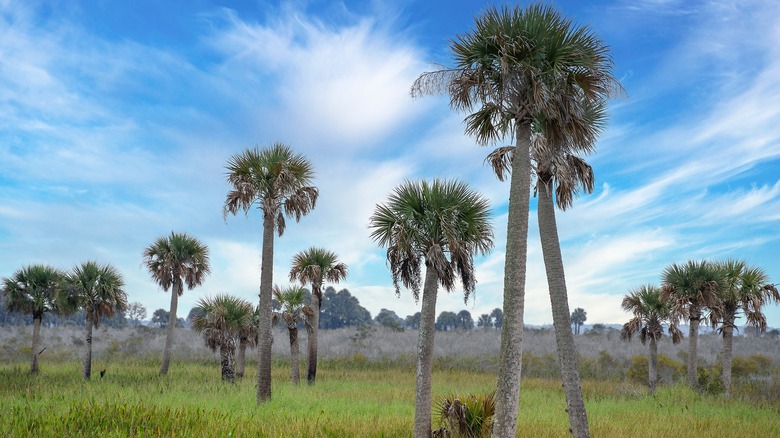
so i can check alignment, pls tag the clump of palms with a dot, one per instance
(466, 416)
(99, 290)
(745, 289)
(442, 225)
(174, 261)
(278, 182)
(222, 322)
(315, 266)
(651, 312)
(293, 309)
(34, 290)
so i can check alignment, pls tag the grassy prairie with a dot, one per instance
(351, 398)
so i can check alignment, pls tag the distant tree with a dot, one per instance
(194, 313)
(99, 290)
(136, 312)
(578, 318)
(498, 318)
(294, 309)
(413, 321)
(484, 321)
(465, 321)
(447, 321)
(160, 317)
(175, 261)
(389, 319)
(34, 290)
(341, 309)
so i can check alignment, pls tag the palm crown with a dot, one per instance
(650, 313)
(98, 289)
(33, 290)
(316, 265)
(176, 260)
(224, 319)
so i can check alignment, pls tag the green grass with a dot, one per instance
(351, 398)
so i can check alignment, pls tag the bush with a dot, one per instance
(467, 416)
(668, 369)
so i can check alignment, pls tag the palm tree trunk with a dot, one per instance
(36, 343)
(567, 351)
(177, 287)
(295, 355)
(728, 338)
(227, 368)
(241, 359)
(87, 367)
(313, 332)
(693, 338)
(652, 366)
(508, 387)
(265, 310)
(422, 399)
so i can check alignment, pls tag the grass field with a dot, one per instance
(351, 398)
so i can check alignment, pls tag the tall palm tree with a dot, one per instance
(221, 323)
(99, 290)
(315, 266)
(650, 314)
(293, 308)
(174, 261)
(518, 64)
(692, 287)
(277, 180)
(745, 289)
(442, 224)
(578, 318)
(33, 290)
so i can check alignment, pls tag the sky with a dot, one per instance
(117, 120)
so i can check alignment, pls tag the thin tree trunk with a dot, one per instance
(241, 359)
(177, 286)
(313, 331)
(728, 338)
(693, 338)
(556, 280)
(226, 363)
(87, 368)
(422, 399)
(652, 366)
(508, 387)
(295, 355)
(265, 311)
(36, 343)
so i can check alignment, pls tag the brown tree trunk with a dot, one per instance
(241, 358)
(295, 354)
(177, 287)
(265, 310)
(693, 338)
(313, 331)
(422, 399)
(36, 343)
(508, 387)
(556, 280)
(87, 367)
(652, 366)
(226, 362)
(728, 338)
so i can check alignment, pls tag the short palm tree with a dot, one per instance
(34, 290)
(650, 314)
(293, 309)
(316, 266)
(278, 182)
(442, 225)
(692, 288)
(99, 290)
(517, 65)
(174, 261)
(221, 323)
(745, 289)
(247, 337)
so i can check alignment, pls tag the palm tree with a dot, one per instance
(519, 65)
(247, 337)
(442, 224)
(278, 181)
(221, 323)
(650, 314)
(578, 318)
(99, 290)
(33, 290)
(293, 308)
(315, 266)
(746, 289)
(174, 261)
(692, 288)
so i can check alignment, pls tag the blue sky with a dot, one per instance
(117, 118)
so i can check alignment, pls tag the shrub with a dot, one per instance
(466, 416)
